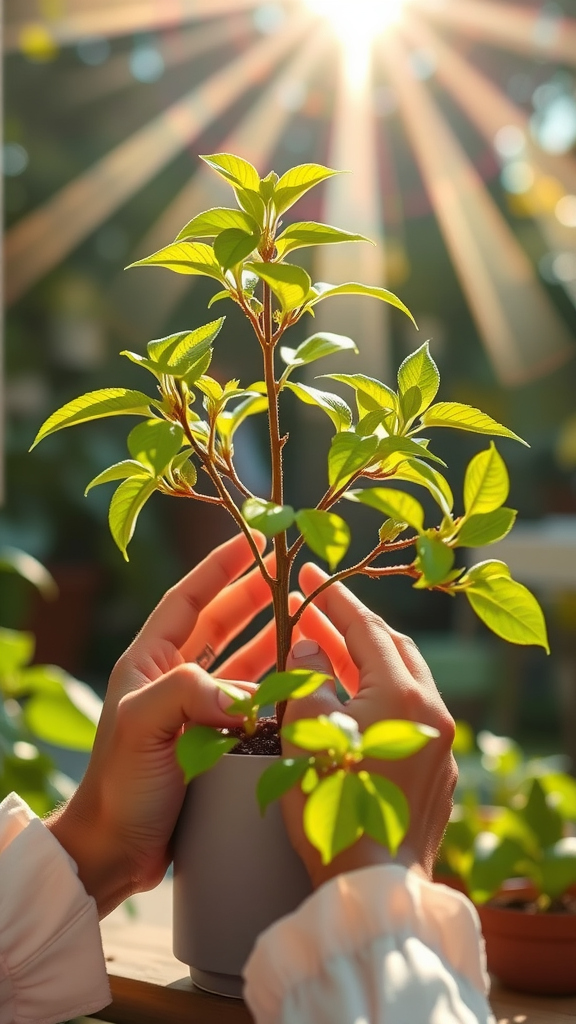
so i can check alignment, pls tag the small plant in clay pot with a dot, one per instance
(185, 446)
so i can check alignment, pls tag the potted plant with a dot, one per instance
(184, 446)
(516, 859)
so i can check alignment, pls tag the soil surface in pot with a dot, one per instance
(266, 739)
(565, 904)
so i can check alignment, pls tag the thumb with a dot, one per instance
(309, 655)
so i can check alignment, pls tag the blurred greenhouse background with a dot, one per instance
(457, 119)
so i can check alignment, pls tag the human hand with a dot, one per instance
(117, 826)
(388, 679)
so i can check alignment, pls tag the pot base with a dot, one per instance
(229, 985)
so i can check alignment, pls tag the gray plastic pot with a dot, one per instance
(235, 873)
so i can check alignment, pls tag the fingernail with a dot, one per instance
(305, 649)
(224, 700)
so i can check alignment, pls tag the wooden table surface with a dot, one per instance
(149, 986)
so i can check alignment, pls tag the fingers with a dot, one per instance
(316, 626)
(308, 654)
(258, 655)
(175, 617)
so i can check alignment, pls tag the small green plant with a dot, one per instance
(185, 444)
(38, 702)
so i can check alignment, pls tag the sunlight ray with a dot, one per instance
(125, 19)
(490, 110)
(142, 304)
(529, 30)
(511, 309)
(44, 237)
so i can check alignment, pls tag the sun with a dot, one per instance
(357, 23)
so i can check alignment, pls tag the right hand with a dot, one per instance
(388, 678)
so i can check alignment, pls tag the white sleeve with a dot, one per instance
(51, 961)
(376, 946)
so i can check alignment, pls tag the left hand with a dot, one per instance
(119, 823)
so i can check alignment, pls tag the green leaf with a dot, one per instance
(119, 471)
(290, 284)
(228, 422)
(486, 528)
(489, 570)
(233, 246)
(213, 222)
(332, 814)
(334, 406)
(391, 740)
(93, 406)
(417, 472)
(371, 394)
(234, 170)
(404, 448)
(465, 417)
(252, 204)
(319, 345)
(486, 484)
(348, 454)
(294, 685)
(390, 530)
(155, 443)
(353, 288)
(419, 371)
(509, 610)
(463, 739)
(304, 233)
(495, 860)
(325, 533)
(558, 868)
(53, 718)
(540, 816)
(278, 779)
(177, 354)
(200, 748)
(297, 181)
(268, 185)
(435, 558)
(385, 812)
(317, 734)
(16, 650)
(267, 517)
(127, 503)
(396, 504)
(185, 258)
(28, 568)
(562, 790)
(224, 294)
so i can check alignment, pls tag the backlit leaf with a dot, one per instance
(233, 246)
(316, 347)
(486, 528)
(332, 814)
(558, 868)
(278, 779)
(304, 233)
(279, 686)
(488, 570)
(30, 569)
(155, 443)
(228, 422)
(396, 504)
(494, 861)
(354, 288)
(184, 258)
(297, 181)
(16, 650)
(509, 610)
(234, 170)
(371, 394)
(435, 559)
(417, 472)
(289, 283)
(390, 530)
(385, 812)
(541, 817)
(405, 448)
(176, 354)
(419, 371)
(267, 517)
(348, 454)
(317, 734)
(95, 405)
(53, 718)
(213, 222)
(334, 406)
(486, 484)
(325, 533)
(120, 471)
(391, 740)
(200, 748)
(465, 417)
(125, 507)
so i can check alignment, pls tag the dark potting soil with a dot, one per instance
(264, 741)
(565, 904)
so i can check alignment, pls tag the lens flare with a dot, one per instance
(357, 23)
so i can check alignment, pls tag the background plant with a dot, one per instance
(185, 444)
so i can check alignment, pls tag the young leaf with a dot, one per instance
(95, 405)
(176, 354)
(390, 530)
(465, 417)
(185, 258)
(354, 288)
(268, 185)
(419, 371)
(406, 448)
(200, 748)
(155, 443)
(252, 204)
(396, 504)
(316, 347)
(267, 517)
(228, 422)
(120, 471)
(558, 868)
(294, 685)
(317, 734)
(371, 394)
(183, 469)
(417, 472)
(385, 812)
(436, 559)
(296, 182)
(125, 507)
(233, 246)
(348, 454)
(488, 570)
(334, 406)
(213, 222)
(332, 814)
(234, 170)
(325, 533)
(486, 484)
(278, 779)
(486, 528)
(509, 610)
(289, 283)
(304, 233)
(392, 740)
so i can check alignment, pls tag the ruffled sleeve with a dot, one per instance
(376, 946)
(51, 961)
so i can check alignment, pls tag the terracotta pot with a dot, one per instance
(533, 953)
(235, 873)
